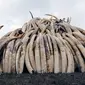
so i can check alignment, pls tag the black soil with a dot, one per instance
(43, 79)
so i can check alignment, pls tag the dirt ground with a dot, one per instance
(43, 79)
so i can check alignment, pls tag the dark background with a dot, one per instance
(43, 79)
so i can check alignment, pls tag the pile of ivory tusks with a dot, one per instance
(43, 46)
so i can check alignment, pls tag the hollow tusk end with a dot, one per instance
(1, 26)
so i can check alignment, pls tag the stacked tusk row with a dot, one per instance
(43, 46)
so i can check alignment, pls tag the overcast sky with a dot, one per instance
(14, 13)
